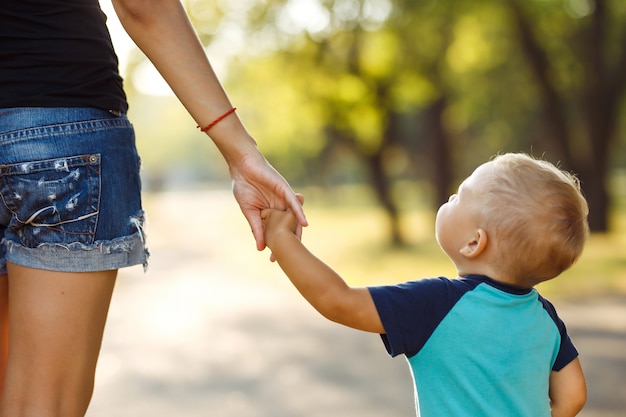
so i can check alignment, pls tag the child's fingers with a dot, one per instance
(265, 213)
(267, 216)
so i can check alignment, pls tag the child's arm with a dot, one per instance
(568, 390)
(322, 287)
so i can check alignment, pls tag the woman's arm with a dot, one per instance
(162, 30)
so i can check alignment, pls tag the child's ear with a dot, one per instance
(476, 245)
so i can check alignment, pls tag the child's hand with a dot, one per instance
(276, 222)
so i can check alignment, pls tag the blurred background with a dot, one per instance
(375, 110)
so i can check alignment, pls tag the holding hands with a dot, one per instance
(259, 188)
(277, 222)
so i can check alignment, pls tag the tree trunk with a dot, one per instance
(602, 88)
(440, 151)
(383, 191)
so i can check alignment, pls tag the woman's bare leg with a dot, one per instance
(56, 321)
(4, 328)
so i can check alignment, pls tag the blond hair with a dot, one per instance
(537, 216)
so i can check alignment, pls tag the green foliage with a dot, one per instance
(365, 258)
(285, 121)
(316, 80)
(380, 54)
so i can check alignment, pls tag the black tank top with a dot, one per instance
(57, 53)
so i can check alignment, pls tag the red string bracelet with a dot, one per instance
(216, 121)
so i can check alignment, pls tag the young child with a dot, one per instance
(485, 343)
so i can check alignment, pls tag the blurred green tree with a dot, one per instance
(577, 54)
(363, 85)
(425, 90)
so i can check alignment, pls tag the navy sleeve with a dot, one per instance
(410, 312)
(567, 350)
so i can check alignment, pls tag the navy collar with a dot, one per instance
(511, 289)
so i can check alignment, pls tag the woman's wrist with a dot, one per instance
(217, 120)
(233, 141)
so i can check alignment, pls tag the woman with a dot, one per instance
(70, 209)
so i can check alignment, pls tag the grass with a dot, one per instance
(355, 243)
(600, 271)
(353, 238)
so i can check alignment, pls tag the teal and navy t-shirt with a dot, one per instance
(476, 347)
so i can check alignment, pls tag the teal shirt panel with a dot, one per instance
(494, 351)
(475, 347)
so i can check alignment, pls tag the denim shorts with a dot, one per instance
(70, 191)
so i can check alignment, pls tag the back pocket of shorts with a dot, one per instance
(54, 200)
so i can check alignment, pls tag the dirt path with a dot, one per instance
(200, 335)
(598, 327)
(195, 346)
